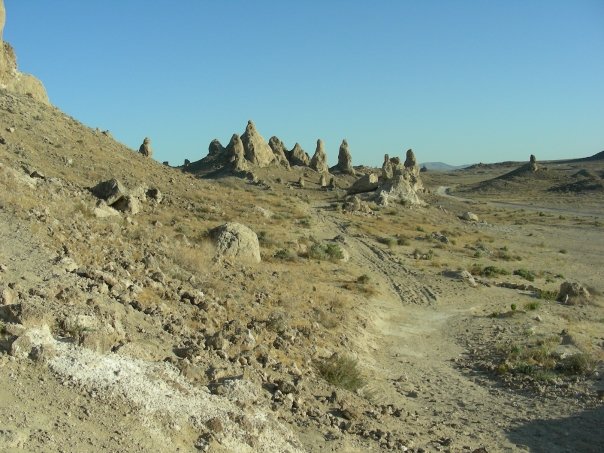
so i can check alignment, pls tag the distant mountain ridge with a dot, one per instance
(441, 166)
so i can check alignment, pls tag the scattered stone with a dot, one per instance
(469, 216)
(236, 241)
(145, 148)
(462, 275)
(110, 191)
(154, 194)
(128, 205)
(35, 343)
(8, 296)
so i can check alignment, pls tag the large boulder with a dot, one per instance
(572, 293)
(278, 148)
(111, 191)
(344, 160)
(256, 149)
(366, 183)
(10, 77)
(319, 159)
(297, 156)
(237, 242)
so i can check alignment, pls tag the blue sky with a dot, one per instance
(457, 81)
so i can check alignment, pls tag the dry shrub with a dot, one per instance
(194, 258)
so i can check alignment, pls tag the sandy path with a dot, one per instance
(412, 348)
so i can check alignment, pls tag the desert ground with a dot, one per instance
(358, 331)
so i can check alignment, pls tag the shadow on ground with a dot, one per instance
(583, 433)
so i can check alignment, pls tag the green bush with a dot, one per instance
(525, 274)
(326, 252)
(532, 305)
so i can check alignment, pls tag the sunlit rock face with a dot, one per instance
(10, 77)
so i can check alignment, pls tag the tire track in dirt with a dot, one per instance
(402, 281)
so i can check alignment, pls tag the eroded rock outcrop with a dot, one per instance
(10, 77)
(533, 163)
(398, 182)
(297, 156)
(279, 150)
(236, 154)
(344, 160)
(145, 148)
(386, 167)
(319, 159)
(257, 151)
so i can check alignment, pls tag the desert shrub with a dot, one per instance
(325, 252)
(532, 305)
(401, 240)
(342, 372)
(264, 240)
(389, 241)
(363, 279)
(513, 307)
(488, 271)
(326, 319)
(577, 364)
(525, 274)
(547, 295)
(284, 254)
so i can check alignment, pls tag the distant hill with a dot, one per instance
(440, 166)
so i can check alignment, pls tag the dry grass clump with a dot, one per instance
(362, 285)
(342, 372)
(195, 259)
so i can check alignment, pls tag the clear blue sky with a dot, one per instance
(458, 81)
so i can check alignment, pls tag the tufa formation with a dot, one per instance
(145, 148)
(319, 159)
(344, 160)
(10, 77)
(257, 151)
